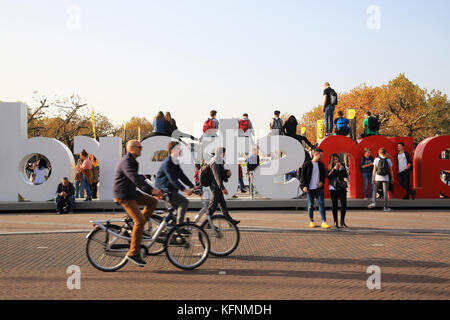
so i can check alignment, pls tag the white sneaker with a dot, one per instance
(372, 205)
(387, 210)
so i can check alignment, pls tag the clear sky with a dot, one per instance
(188, 56)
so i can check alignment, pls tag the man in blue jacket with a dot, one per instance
(168, 178)
(126, 179)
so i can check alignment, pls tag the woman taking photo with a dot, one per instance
(337, 173)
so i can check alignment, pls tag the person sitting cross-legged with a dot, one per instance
(65, 197)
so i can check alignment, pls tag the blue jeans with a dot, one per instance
(319, 195)
(241, 184)
(87, 187)
(367, 176)
(63, 202)
(328, 117)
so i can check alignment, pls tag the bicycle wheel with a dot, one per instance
(187, 246)
(108, 255)
(150, 228)
(225, 239)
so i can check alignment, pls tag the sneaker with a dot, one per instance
(59, 212)
(312, 225)
(325, 225)
(372, 205)
(236, 222)
(137, 259)
(366, 199)
(387, 209)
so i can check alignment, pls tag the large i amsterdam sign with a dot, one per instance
(16, 149)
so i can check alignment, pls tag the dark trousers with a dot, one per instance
(94, 190)
(404, 178)
(342, 196)
(217, 200)
(62, 202)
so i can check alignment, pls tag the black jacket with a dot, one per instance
(126, 179)
(307, 169)
(219, 175)
(69, 189)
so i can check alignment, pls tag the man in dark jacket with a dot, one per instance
(65, 197)
(312, 179)
(168, 178)
(405, 164)
(126, 179)
(219, 176)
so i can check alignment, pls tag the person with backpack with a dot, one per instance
(213, 175)
(168, 179)
(382, 176)
(276, 126)
(211, 125)
(329, 104)
(336, 174)
(405, 166)
(370, 124)
(245, 126)
(342, 125)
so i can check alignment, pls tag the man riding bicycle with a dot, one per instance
(168, 178)
(126, 179)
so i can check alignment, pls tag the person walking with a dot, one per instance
(366, 170)
(405, 166)
(218, 190)
(312, 180)
(65, 197)
(329, 104)
(168, 178)
(382, 171)
(276, 126)
(336, 174)
(86, 170)
(126, 180)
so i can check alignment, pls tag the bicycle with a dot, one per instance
(224, 237)
(186, 245)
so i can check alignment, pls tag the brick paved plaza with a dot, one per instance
(278, 258)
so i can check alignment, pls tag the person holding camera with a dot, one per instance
(336, 174)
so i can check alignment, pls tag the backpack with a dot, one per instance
(333, 98)
(244, 125)
(209, 124)
(383, 167)
(373, 123)
(341, 123)
(277, 124)
(205, 175)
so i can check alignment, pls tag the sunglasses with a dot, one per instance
(139, 147)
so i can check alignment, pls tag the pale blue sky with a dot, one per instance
(188, 56)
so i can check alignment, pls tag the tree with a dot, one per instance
(132, 128)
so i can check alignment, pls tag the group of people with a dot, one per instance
(38, 172)
(377, 174)
(170, 179)
(86, 182)
(371, 124)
